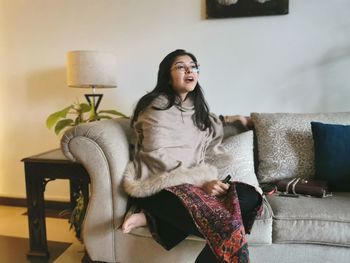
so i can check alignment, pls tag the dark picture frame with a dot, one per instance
(246, 8)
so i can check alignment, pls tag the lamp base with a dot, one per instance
(94, 100)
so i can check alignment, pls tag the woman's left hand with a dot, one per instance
(245, 121)
(215, 188)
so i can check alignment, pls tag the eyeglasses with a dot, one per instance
(182, 67)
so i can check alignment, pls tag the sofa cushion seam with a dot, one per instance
(309, 219)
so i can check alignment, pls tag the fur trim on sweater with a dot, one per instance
(142, 188)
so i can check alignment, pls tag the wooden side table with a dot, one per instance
(39, 170)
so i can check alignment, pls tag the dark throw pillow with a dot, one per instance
(332, 155)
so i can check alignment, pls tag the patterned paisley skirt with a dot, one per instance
(218, 220)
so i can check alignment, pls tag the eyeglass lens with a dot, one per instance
(182, 67)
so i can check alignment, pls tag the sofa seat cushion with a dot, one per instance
(261, 233)
(311, 220)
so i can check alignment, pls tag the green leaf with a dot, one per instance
(84, 107)
(114, 112)
(63, 124)
(54, 117)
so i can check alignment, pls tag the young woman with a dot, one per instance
(173, 178)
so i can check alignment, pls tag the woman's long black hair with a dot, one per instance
(164, 87)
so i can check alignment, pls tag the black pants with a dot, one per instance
(172, 222)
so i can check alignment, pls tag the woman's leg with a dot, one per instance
(169, 210)
(171, 216)
(249, 200)
(172, 219)
(206, 256)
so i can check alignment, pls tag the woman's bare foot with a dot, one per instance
(133, 221)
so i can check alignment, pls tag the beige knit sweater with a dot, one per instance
(171, 150)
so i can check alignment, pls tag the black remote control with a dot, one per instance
(227, 179)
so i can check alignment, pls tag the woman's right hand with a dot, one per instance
(245, 121)
(215, 188)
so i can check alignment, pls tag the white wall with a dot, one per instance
(293, 63)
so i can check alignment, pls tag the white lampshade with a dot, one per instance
(87, 69)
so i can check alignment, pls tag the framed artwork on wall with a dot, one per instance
(242, 8)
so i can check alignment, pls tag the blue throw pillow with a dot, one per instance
(332, 154)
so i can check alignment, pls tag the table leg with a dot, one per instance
(36, 214)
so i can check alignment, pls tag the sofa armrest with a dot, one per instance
(102, 147)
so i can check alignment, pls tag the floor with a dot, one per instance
(14, 224)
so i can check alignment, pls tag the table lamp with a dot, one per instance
(91, 69)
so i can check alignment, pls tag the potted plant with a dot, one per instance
(78, 113)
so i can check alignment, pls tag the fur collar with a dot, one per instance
(153, 184)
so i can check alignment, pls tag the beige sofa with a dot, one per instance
(300, 229)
